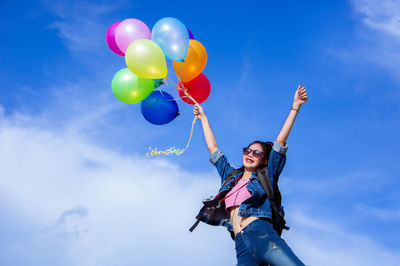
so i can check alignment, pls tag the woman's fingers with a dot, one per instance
(196, 110)
(303, 94)
(303, 91)
(304, 97)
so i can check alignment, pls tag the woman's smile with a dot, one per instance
(249, 160)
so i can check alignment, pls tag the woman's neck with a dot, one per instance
(246, 174)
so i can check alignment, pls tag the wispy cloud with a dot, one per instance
(385, 214)
(378, 41)
(71, 221)
(81, 24)
(323, 242)
(128, 201)
(381, 15)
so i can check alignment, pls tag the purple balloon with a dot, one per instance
(129, 31)
(190, 34)
(110, 38)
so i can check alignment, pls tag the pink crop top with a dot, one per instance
(237, 194)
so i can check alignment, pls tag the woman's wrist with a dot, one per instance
(203, 118)
(296, 107)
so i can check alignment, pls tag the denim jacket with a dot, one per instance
(258, 204)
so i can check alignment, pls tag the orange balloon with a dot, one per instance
(194, 62)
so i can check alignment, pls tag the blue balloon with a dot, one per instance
(159, 108)
(172, 36)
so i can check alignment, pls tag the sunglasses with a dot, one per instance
(256, 153)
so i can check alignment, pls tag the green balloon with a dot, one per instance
(129, 88)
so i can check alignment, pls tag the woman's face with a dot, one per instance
(251, 162)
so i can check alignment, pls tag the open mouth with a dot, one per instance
(249, 160)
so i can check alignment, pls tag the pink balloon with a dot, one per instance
(110, 38)
(129, 31)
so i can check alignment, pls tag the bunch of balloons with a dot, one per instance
(145, 55)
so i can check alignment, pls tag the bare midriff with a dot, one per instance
(238, 222)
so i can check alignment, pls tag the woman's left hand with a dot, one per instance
(300, 96)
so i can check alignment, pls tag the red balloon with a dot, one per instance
(199, 88)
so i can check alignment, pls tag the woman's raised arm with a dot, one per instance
(208, 134)
(300, 98)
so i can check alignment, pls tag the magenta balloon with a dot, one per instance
(191, 37)
(129, 31)
(110, 38)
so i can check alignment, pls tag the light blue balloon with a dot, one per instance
(172, 36)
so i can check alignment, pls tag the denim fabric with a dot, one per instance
(259, 244)
(258, 205)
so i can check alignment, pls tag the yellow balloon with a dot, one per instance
(146, 59)
(195, 61)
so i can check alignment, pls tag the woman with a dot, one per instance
(249, 209)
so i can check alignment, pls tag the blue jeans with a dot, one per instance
(259, 244)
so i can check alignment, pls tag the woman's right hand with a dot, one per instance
(198, 112)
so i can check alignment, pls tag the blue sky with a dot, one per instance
(75, 182)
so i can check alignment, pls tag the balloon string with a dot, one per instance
(165, 81)
(175, 99)
(182, 87)
(173, 150)
(188, 95)
(180, 72)
(160, 91)
(177, 88)
(173, 83)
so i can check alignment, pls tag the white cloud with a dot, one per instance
(379, 42)
(382, 15)
(385, 214)
(323, 242)
(85, 205)
(102, 206)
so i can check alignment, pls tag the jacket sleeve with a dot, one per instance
(219, 160)
(277, 160)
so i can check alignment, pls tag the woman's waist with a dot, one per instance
(239, 222)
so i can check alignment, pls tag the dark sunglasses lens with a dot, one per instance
(257, 153)
(246, 151)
